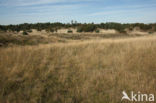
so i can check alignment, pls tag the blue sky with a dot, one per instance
(97, 11)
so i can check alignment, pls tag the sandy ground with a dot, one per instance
(74, 31)
(66, 30)
(109, 31)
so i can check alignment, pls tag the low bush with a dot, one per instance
(70, 31)
(97, 31)
(86, 28)
(25, 33)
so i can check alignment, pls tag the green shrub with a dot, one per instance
(97, 31)
(150, 32)
(154, 28)
(70, 31)
(86, 28)
(79, 29)
(25, 33)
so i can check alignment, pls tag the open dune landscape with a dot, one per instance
(77, 51)
(77, 71)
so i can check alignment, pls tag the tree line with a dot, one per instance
(81, 27)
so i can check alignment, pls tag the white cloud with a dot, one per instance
(34, 2)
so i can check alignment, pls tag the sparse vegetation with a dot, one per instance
(75, 68)
(87, 28)
(77, 72)
(10, 39)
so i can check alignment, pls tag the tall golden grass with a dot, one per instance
(79, 72)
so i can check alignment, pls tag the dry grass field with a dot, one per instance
(90, 71)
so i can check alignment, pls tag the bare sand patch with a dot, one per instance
(109, 31)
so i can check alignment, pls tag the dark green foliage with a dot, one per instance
(155, 28)
(79, 29)
(3, 28)
(97, 31)
(25, 33)
(120, 30)
(70, 31)
(142, 26)
(150, 32)
(86, 27)
(50, 30)
(117, 26)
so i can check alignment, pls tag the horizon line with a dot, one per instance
(79, 23)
